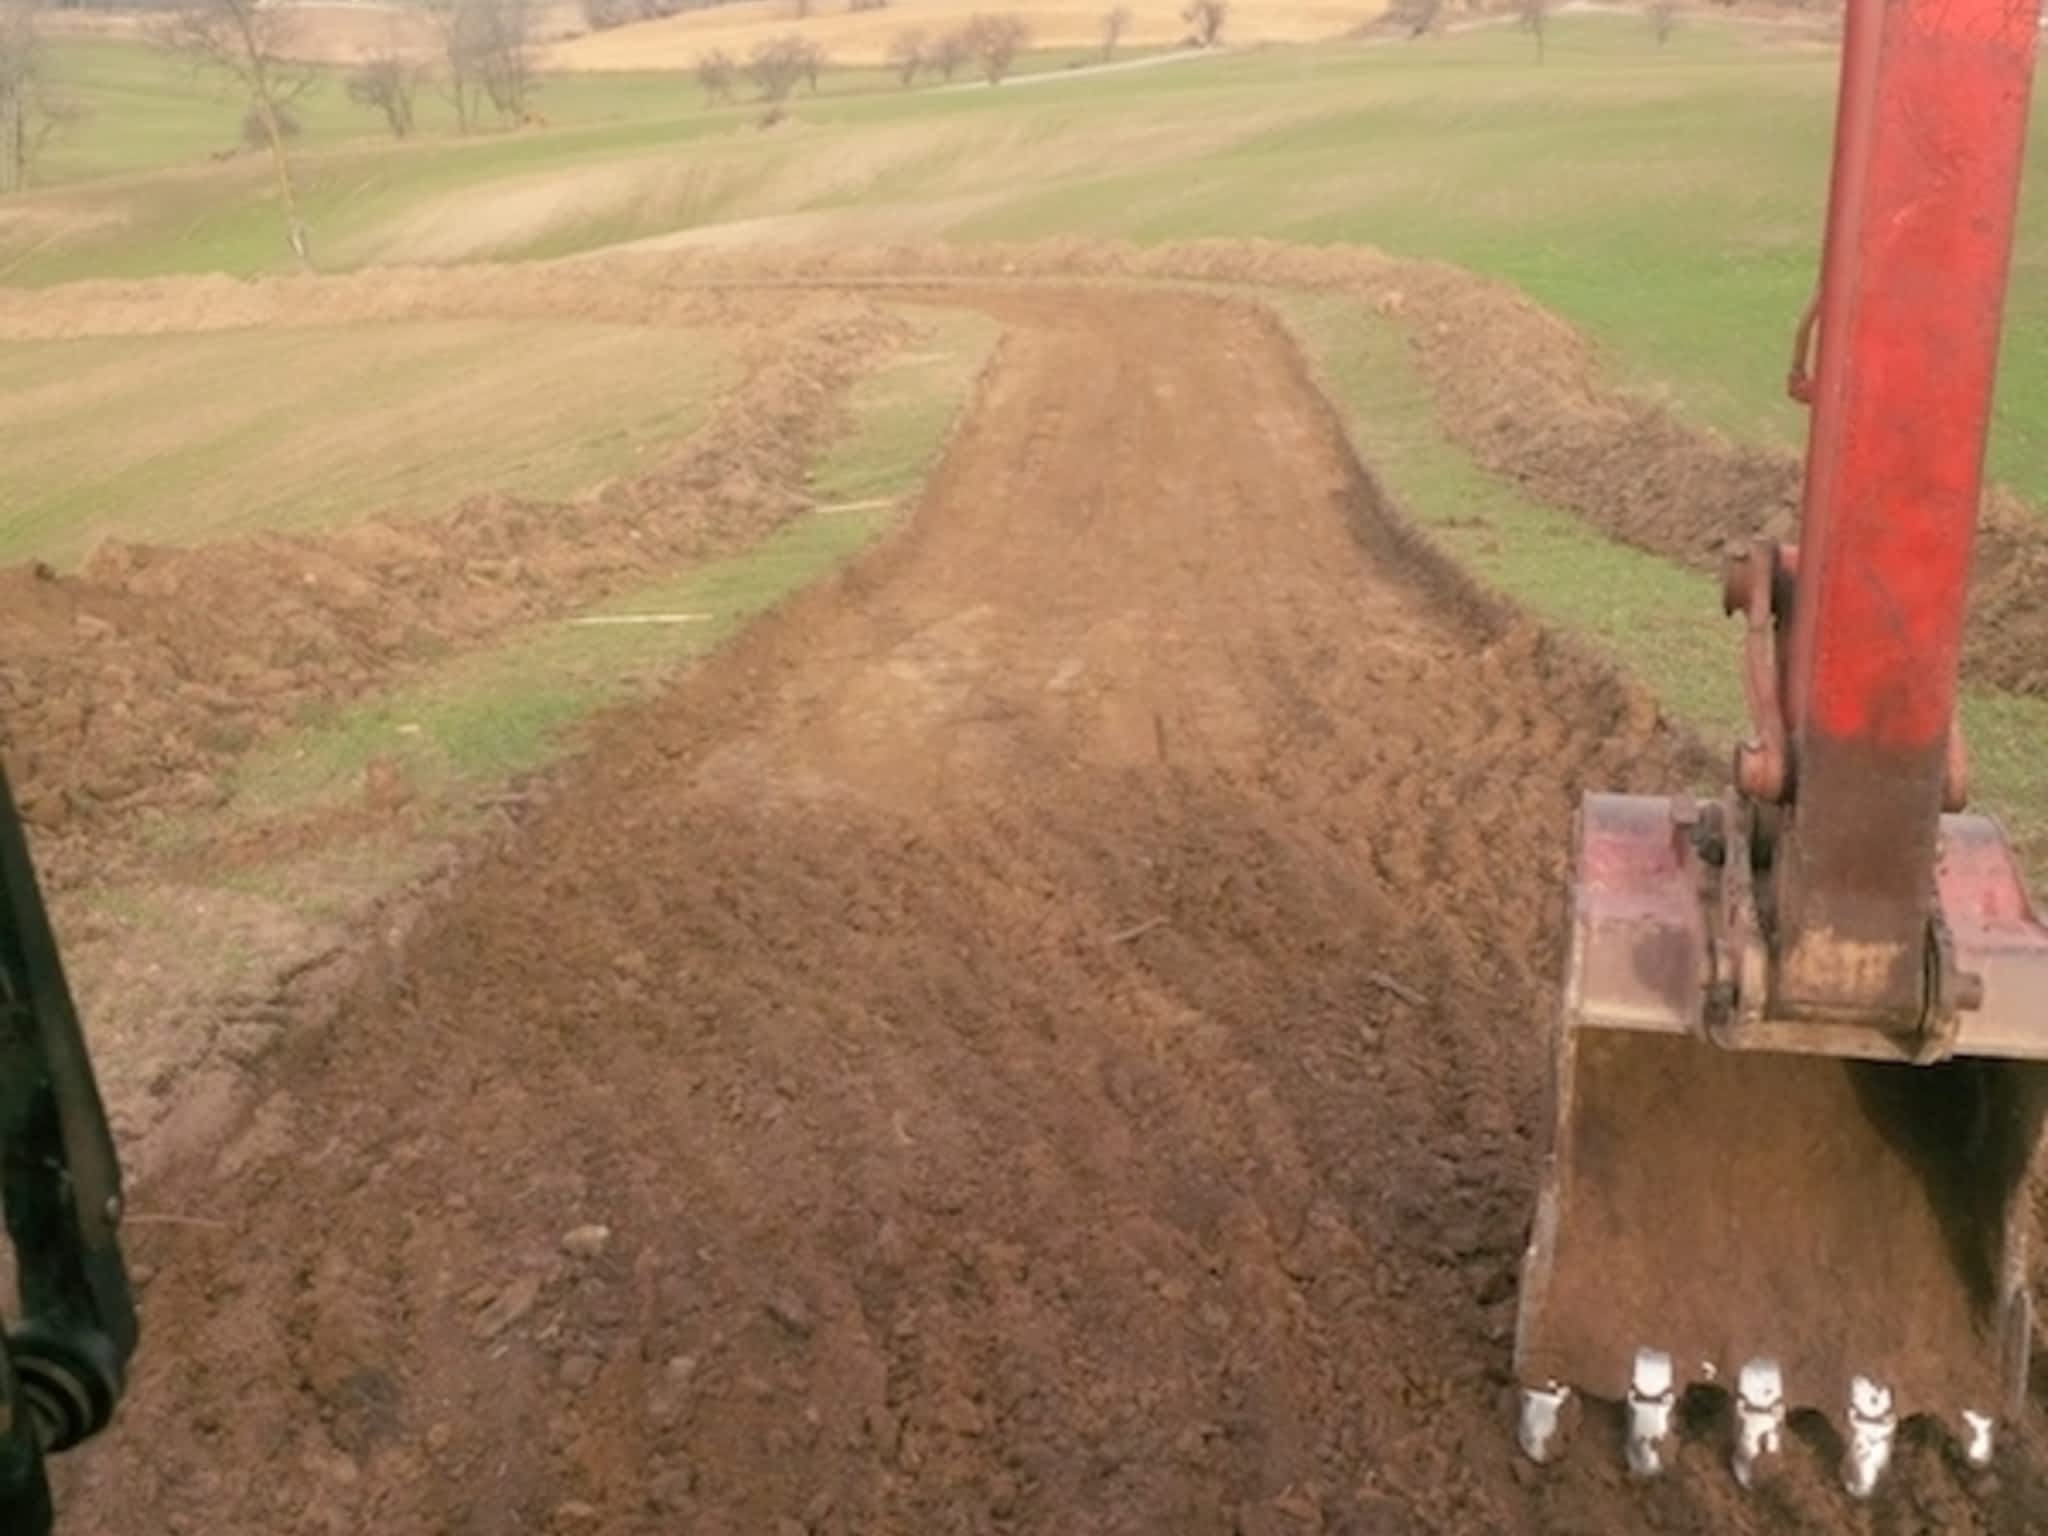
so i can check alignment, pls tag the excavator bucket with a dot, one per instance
(1720, 1206)
(1798, 1079)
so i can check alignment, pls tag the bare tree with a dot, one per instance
(815, 59)
(1418, 16)
(31, 113)
(776, 65)
(1663, 16)
(487, 48)
(21, 62)
(716, 72)
(1115, 22)
(507, 37)
(1205, 20)
(906, 56)
(245, 42)
(256, 131)
(1533, 16)
(949, 51)
(993, 42)
(387, 81)
(459, 23)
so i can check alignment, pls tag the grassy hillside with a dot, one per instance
(288, 429)
(1667, 200)
(146, 109)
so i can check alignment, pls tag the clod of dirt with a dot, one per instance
(508, 1306)
(671, 1491)
(586, 1242)
(791, 1311)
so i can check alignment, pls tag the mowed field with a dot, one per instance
(890, 791)
(257, 430)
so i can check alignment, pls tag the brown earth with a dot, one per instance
(125, 689)
(1045, 1034)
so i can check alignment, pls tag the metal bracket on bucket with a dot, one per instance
(1667, 938)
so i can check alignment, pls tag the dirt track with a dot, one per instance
(980, 1006)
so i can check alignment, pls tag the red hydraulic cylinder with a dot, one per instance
(1930, 136)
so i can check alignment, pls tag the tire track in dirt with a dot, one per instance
(979, 1009)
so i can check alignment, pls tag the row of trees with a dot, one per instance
(1419, 17)
(779, 64)
(605, 14)
(776, 67)
(990, 43)
(485, 67)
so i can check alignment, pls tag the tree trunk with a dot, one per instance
(13, 142)
(287, 194)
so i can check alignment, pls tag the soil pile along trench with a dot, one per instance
(1045, 1034)
(127, 688)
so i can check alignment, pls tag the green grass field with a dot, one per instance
(239, 431)
(1667, 201)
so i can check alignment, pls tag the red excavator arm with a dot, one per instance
(1797, 1109)
(1931, 128)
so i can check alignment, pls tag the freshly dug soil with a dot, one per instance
(1046, 1034)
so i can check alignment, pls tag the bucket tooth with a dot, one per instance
(1541, 1426)
(1759, 1419)
(1652, 1405)
(1980, 1437)
(1873, 1427)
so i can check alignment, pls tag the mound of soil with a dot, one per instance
(1046, 1034)
(125, 688)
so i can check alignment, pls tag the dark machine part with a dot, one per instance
(1798, 1100)
(63, 1362)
